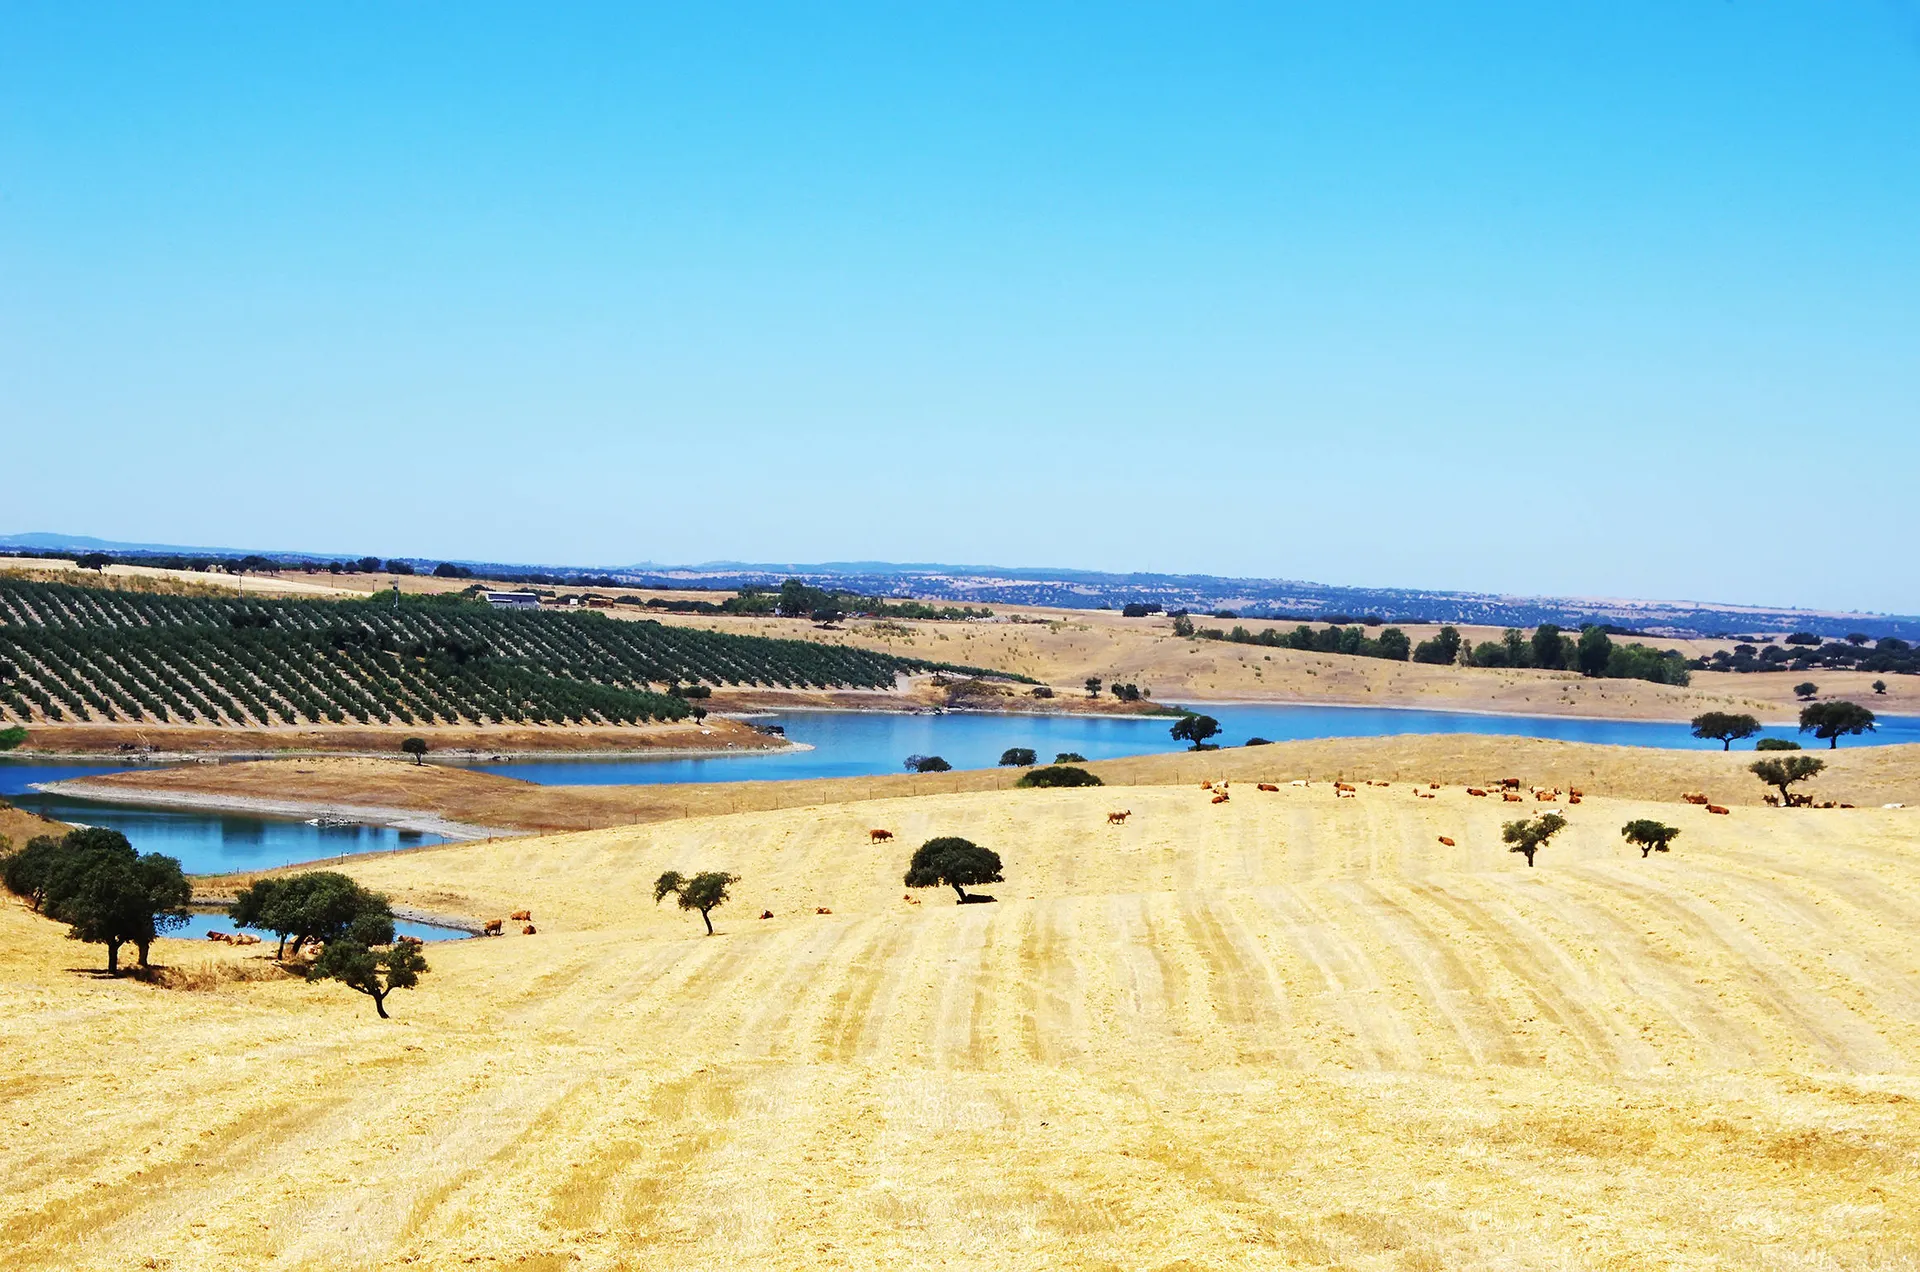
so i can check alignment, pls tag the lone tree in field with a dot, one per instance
(1805, 689)
(1649, 835)
(319, 905)
(1195, 729)
(1879, 686)
(1830, 720)
(1093, 686)
(926, 764)
(705, 892)
(416, 747)
(955, 863)
(1017, 757)
(108, 894)
(1783, 773)
(1724, 727)
(1528, 837)
(352, 960)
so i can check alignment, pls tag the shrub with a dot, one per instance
(14, 736)
(1259, 742)
(1059, 775)
(1069, 757)
(1776, 744)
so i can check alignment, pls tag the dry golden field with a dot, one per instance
(1287, 1031)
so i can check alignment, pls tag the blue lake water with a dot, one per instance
(200, 923)
(845, 744)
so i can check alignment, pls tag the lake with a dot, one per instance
(845, 744)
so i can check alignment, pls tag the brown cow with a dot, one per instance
(1715, 808)
(1219, 798)
(1511, 797)
(521, 916)
(1694, 797)
(878, 836)
(1115, 819)
(766, 914)
(1475, 790)
(1575, 792)
(821, 909)
(222, 937)
(1268, 786)
(910, 899)
(245, 938)
(408, 940)
(492, 927)
(1446, 841)
(528, 930)
(1342, 786)
(1206, 786)
(1574, 798)
(1433, 786)
(1510, 783)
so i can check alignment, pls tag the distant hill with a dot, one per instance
(1090, 589)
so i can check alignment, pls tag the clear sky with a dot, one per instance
(1584, 298)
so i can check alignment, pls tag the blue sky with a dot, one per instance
(1588, 298)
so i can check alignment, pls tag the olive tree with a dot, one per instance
(1648, 835)
(1783, 773)
(416, 747)
(1724, 727)
(108, 894)
(1830, 720)
(1805, 689)
(351, 959)
(705, 892)
(1530, 836)
(319, 905)
(949, 861)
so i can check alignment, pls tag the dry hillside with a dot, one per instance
(1281, 1032)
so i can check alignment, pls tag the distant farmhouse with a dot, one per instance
(512, 600)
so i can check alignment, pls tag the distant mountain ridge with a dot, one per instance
(1094, 589)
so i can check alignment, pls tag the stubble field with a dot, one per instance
(1283, 1031)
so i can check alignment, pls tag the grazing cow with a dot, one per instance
(527, 930)
(1219, 798)
(1426, 795)
(1206, 786)
(492, 927)
(1475, 790)
(1511, 797)
(1433, 786)
(910, 899)
(1115, 819)
(766, 914)
(1342, 786)
(821, 909)
(521, 916)
(408, 940)
(1694, 797)
(1716, 808)
(1268, 786)
(222, 937)
(1573, 798)
(1773, 801)
(1575, 792)
(878, 836)
(1446, 841)
(1509, 783)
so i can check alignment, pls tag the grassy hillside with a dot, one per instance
(89, 654)
(1286, 1031)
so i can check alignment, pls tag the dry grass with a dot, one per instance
(1285, 1031)
(211, 974)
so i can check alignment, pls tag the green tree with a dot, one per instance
(110, 895)
(1724, 727)
(1443, 649)
(1017, 757)
(705, 892)
(927, 764)
(1093, 686)
(14, 735)
(1832, 720)
(96, 561)
(1069, 757)
(1595, 648)
(1783, 773)
(1879, 686)
(1648, 835)
(351, 959)
(1059, 775)
(1528, 837)
(27, 872)
(955, 863)
(1548, 652)
(318, 905)
(1776, 744)
(416, 747)
(1195, 729)
(1183, 626)
(1805, 689)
